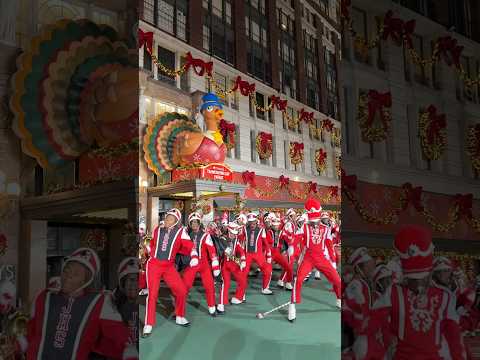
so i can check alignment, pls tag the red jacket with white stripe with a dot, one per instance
(275, 240)
(314, 238)
(63, 327)
(288, 232)
(166, 243)
(205, 248)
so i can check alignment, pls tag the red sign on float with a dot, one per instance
(216, 172)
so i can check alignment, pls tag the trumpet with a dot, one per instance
(235, 259)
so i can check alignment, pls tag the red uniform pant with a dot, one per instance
(207, 280)
(157, 270)
(291, 262)
(229, 268)
(265, 267)
(283, 262)
(318, 261)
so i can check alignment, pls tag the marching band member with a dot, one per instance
(256, 245)
(294, 250)
(313, 234)
(75, 321)
(276, 238)
(125, 295)
(420, 314)
(166, 243)
(234, 250)
(205, 248)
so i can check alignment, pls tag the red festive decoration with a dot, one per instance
(464, 204)
(449, 50)
(95, 239)
(3, 244)
(327, 124)
(432, 133)
(296, 152)
(284, 181)
(312, 187)
(370, 105)
(264, 145)
(145, 39)
(413, 196)
(227, 130)
(306, 116)
(473, 145)
(349, 182)
(321, 160)
(333, 190)
(246, 89)
(199, 66)
(397, 29)
(249, 178)
(281, 105)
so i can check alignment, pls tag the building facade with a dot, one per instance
(289, 49)
(414, 84)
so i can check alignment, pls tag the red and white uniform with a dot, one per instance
(229, 269)
(63, 327)
(275, 240)
(255, 245)
(313, 237)
(289, 234)
(207, 255)
(164, 246)
(419, 322)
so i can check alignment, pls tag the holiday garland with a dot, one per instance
(432, 133)
(296, 153)
(473, 146)
(401, 33)
(264, 145)
(374, 115)
(95, 239)
(321, 160)
(227, 130)
(410, 196)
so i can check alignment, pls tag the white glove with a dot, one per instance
(269, 260)
(243, 265)
(228, 251)
(291, 250)
(216, 272)
(193, 262)
(334, 265)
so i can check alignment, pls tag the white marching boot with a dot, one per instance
(143, 292)
(235, 301)
(288, 286)
(267, 291)
(339, 303)
(280, 283)
(292, 312)
(220, 309)
(147, 331)
(212, 310)
(182, 321)
(317, 275)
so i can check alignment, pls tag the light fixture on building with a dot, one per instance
(9, 194)
(284, 27)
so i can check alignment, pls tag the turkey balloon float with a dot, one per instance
(74, 90)
(173, 140)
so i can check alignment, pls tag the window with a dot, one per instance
(331, 75)
(359, 18)
(256, 28)
(311, 73)
(286, 50)
(167, 58)
(148, 11)
(324, 6)
(172, 17)
(147, 60)
(221, 82)
(459, 16)
(260, 102)
(233, 96)
(253, 148)
(218, 34)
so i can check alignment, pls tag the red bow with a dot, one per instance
(199, 66)
(312, 187)
(333, 191)
(450, 51)
(376, 102)
(349, 182)
(306, 116)
(414, 196)
(145, 38)
(245, 88)
(437, 123)
(398, 29)
(322, 155)
(464, 203)
(297, 147)
(227, 130)
(327, 124)
(281, 105)
(249, 178)
(284, 181)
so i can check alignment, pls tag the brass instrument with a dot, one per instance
(233, 258)
(14, 325)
